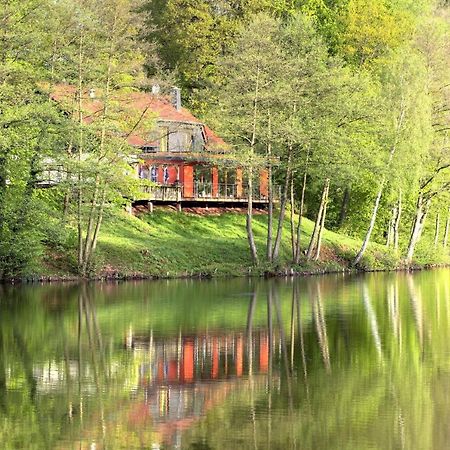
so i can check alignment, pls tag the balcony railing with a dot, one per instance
(204, 191)
(164, 192)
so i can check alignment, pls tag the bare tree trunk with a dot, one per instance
(90, 225)
(300, 215)
(93, 243)
(251, 238)
(371, 225)
(322, 222)
(397, 220)
(292, 220)
(276, 248)
(317, 224)
(80, 154)
(269, 247)
(344, 207)
(249, 221)
(419, 221)
(390, 230)
(447, 229)
(436, 231)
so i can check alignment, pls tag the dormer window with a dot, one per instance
(149, 149)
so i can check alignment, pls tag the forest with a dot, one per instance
(346, 103)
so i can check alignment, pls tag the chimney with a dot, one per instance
(92, 93)
(176, 98)
(156, 89)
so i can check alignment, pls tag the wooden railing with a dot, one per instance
(204, 191)
(164, 192)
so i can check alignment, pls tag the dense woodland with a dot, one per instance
(345, 102)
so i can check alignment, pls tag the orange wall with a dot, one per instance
(188, 181)
(264, 183)
(215, 181)
(239, 182)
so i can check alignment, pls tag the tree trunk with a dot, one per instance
(80, 153)
(318, 222)
(436, 231)
(397, 220)
(276, 248)
(447, 229)
(93, 242)
(292, 220)
(344, 207)
(269, 247)
(249, 221)
(250, 236)
(322, 222)
(300, 215)
(90, 225)
(371, 225)
(391, 226)
(419, 220)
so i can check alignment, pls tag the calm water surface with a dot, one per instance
(333, 362)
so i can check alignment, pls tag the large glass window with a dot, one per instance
(165, 174)
(203, 181)
(154, 174)
(227, 183)
(143, 172)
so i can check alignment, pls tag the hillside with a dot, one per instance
(171, 244)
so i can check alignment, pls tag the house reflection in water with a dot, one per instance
(184, 377)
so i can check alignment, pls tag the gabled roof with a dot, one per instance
(143, 104)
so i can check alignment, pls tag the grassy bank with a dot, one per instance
(171, 244)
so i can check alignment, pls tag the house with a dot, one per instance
(184, 160)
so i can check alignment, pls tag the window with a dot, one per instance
(154, 174)
(166, 174)
(149, 149)
(180, 141)
(143, 172)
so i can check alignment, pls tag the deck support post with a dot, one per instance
(150, 207)
(179, 206)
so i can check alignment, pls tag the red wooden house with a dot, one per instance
(182, 157)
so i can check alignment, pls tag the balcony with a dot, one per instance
(163, 193)
(204, 192)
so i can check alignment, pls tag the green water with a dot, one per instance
(333, 362)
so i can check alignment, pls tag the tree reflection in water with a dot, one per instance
(235, 364)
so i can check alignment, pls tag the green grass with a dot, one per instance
(172, 244)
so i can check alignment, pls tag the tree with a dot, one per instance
(29, 128)
(109, 64)
(405, 111)
(245, 96)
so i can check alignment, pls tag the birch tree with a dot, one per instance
(244, 99)
(404, 104)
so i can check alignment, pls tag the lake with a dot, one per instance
(332, 362)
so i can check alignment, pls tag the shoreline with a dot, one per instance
(281, 273)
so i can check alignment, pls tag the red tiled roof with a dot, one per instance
(140, 102)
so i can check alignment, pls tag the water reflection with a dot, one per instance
(330, 362)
